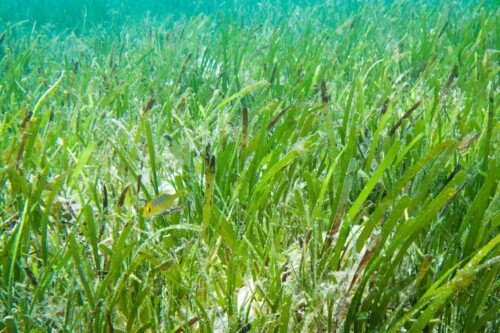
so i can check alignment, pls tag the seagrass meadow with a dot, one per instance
(249, 167)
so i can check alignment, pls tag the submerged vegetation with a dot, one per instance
(335, 169)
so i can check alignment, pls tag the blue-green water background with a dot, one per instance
(85, 15)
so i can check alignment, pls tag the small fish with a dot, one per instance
(160, 204)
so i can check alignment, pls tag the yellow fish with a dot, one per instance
(160, 204)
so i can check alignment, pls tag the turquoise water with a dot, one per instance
(79, 15)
